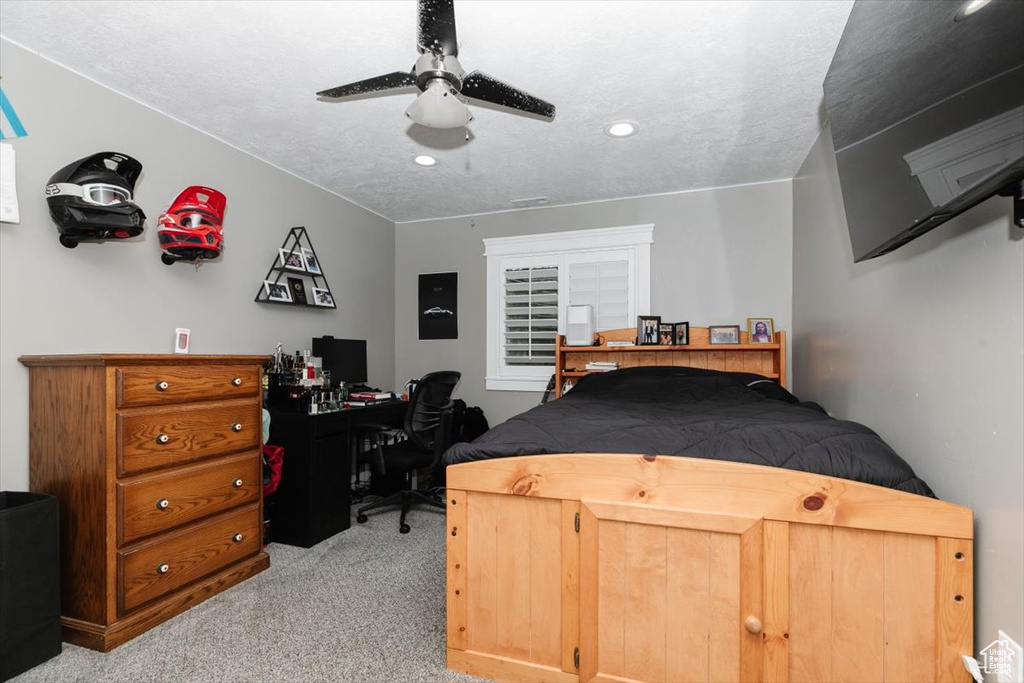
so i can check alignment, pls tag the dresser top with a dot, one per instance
(139, 359)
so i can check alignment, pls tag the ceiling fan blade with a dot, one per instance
(480, 86)
(392, 81)
(437, 27)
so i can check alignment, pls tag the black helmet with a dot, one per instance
(92, 198)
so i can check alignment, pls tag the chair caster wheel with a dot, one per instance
(404, 529)
(361, 519)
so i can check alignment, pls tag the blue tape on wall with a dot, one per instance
(10, 124)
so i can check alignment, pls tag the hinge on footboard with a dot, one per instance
(576, 657)
(576, 523)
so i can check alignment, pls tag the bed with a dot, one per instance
(760, 559)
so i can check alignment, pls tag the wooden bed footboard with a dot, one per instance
(604, 567)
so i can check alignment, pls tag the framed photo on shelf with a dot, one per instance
(665, 335)
(312, 265)
(298, 288)
(647, 330)
(292, 260)
(277, 291)
(681, 334)
(322, 297)
(761, 330)
(724, 334)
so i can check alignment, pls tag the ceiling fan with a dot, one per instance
(444, 84)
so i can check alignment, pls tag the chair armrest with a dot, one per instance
(443, 433)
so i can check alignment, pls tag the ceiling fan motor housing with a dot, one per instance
(430, 66)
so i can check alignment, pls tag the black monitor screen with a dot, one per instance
(344, 358)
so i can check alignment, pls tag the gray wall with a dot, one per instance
(719, 256)
(926, 346)
(118, 296)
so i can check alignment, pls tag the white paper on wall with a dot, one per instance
(8, 188)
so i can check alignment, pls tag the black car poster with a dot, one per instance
(439, 301)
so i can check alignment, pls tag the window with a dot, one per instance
(532, 279)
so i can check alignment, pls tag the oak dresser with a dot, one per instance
(156, 463)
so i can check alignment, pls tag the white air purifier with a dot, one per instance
(579, 325)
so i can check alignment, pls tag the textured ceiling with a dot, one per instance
(725, 92)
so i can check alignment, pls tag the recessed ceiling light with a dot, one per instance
(424, 160)
(621, 129)
(969, 8)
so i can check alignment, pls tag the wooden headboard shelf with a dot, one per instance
(764, 359)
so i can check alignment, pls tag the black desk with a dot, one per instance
(313, 500)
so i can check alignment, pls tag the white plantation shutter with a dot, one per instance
(530, 315)
(603, 284)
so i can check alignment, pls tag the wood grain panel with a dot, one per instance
(776, 601)
(716, 360)
(138, 386)
(192, 493)
(482, 592)
(909, 590)
(644, 639)
(189, 555)
(954, 604)
(858, 605)
(699, 359)
(495, 667)
(751, 602)
(192, 433)
(724, 608)
(545, 550)
(457, 533)
(67, 443)
(570, 584)
(611, 598)
(687, 604)
(810, 603)
(513, 577)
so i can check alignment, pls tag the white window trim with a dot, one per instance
(636, 237)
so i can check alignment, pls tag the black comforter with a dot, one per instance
(698, 413)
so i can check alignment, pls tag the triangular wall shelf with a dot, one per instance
(296, 274)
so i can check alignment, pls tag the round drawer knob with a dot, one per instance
(162, 504)
(162, 386)
(237, 538)
(164, 568)
(236, 382)
(753, 624)
(237, 427)
(237, 483)
(162, 439)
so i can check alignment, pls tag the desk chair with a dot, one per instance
(427, 430)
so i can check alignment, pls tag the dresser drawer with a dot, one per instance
(155, 385)
(159, 437)
(157, 567)
(161, 501)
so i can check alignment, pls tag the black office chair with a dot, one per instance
(428, 434)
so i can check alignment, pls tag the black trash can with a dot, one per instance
(29, 581)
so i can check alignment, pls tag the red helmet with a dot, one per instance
(191, 228)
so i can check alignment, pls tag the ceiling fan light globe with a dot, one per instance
(438, 107)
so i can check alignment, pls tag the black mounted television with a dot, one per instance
(926, 106)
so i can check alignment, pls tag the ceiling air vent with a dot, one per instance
(529, 201)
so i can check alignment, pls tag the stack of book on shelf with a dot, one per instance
(602, 366)
(616, 344)
(369, 398)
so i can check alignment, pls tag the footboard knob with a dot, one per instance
(753, 625)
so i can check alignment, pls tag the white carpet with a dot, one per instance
(365, 605)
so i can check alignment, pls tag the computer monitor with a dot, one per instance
(344, 358)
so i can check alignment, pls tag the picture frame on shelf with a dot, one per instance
(292, 260)
(665, 334)
(298, 289)
(761, 330)
(322, 297)
(724, 334)
(277, 291)
(647, 330)
(310, 261)
(681, 334)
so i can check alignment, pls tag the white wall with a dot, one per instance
(117, 296)
(719, 256)
(925, 346)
